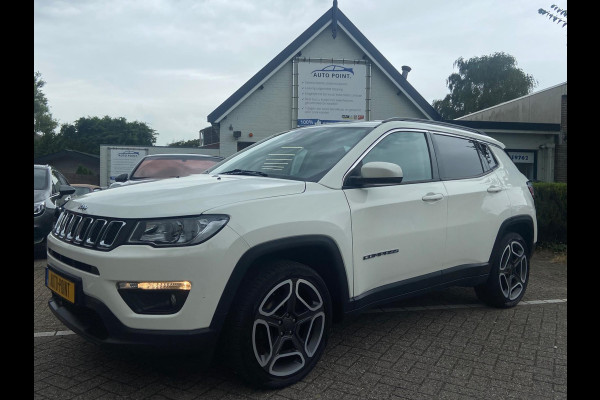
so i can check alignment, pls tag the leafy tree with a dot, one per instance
(483, 82)
(559, 17)
(43, 123)
(185, 143)
(87, 134)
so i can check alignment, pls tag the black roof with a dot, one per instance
(510, 126)
(74, 154)
(336, 15)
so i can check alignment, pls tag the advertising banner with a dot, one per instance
(123, 160)
(330, 92)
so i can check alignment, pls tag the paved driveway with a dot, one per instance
(444, 345)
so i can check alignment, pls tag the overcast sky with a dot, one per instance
(170, 63)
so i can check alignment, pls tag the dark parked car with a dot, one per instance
(50, 191)
(161, 166)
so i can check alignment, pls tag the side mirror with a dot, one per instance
(65, 190)
(121, 178)
(376, 173)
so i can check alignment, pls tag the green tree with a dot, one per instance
(185, 143)
(483, 82)
(560, 15)
(43, 122)
(87, 134)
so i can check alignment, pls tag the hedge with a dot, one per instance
(551, 210)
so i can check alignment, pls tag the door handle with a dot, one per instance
(430, 197)
(494, 189)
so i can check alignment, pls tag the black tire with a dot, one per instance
(279, 325)
(509, 274)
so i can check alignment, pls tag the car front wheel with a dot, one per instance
(280, 324)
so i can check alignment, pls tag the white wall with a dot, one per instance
(269, 110)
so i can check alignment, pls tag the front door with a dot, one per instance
(399, 231)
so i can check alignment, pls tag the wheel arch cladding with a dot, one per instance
(521, 224)
(315, 251)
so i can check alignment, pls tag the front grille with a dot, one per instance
(97, 233)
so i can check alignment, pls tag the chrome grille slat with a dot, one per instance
(73, 226)
(64, 225)
(83, 230)
(89, 231)
(95, 231)
(110, 233)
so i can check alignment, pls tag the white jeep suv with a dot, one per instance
(263, 251)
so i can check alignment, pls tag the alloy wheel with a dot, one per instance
(288, 327)
(513, 270)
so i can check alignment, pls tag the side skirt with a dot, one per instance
(462, 275)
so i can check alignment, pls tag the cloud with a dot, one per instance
(171, 63)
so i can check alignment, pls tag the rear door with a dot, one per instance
(477, 201)
(398, 230)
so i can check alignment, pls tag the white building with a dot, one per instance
(331, 72)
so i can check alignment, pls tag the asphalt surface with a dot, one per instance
(444, 345)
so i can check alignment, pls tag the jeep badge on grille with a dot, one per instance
(82, 207)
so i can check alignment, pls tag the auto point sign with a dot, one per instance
(330, 92)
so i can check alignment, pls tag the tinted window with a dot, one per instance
(489, 162)
(457, 157)
(409, 150)
(61, 178)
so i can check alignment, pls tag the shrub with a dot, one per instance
(551, 210)
(81, 170)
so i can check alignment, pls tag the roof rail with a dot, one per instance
(440, 123)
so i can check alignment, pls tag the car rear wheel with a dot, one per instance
(280, 324)
(509, 274)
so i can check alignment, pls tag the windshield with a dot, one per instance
(159, 168)
(303, 154)
(40, 179)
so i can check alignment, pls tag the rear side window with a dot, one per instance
(489, 162)
(458, 158)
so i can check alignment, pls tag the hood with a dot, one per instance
(191, 195)
(40, 195)
(130, 182)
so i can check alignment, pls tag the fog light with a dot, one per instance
(154, 297)
(182, 285)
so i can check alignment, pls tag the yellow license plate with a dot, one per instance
(61, 286)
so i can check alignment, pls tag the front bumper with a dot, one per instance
(96, 323)
(207, 266)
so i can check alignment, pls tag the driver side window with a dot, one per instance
(409, 150)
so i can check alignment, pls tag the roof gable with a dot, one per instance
(338, 18)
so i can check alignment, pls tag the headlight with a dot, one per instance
(183, 231)
(38, 208)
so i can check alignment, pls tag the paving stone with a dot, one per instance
(443, 345)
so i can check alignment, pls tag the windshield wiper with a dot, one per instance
(238, 171)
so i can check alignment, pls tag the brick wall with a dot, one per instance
(560, 165)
